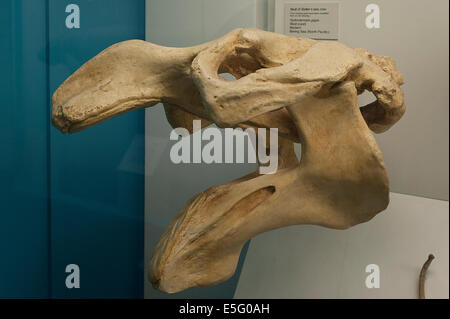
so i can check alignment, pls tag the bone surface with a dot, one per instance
(305, 88)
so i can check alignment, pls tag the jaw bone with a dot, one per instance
(306, 89)
(341, 181)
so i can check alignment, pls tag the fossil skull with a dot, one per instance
(305, 88)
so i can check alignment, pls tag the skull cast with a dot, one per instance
(305, 88)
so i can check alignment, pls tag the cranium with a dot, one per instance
(305, 88)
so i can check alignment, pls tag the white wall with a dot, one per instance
(415, 34)
(314, 262)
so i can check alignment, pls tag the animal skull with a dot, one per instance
(306, 89)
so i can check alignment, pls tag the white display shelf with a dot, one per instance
(316, 262)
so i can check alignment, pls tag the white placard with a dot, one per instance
(315, 20)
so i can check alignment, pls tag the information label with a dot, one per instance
(318, 20)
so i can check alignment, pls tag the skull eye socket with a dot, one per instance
(239, 65)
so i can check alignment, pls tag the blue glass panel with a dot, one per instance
(23, 156)
(97, 175)
(69, 199)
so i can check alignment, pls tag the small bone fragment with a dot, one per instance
(422, 277)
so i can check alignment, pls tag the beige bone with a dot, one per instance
(306, 89)
(340, 182)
